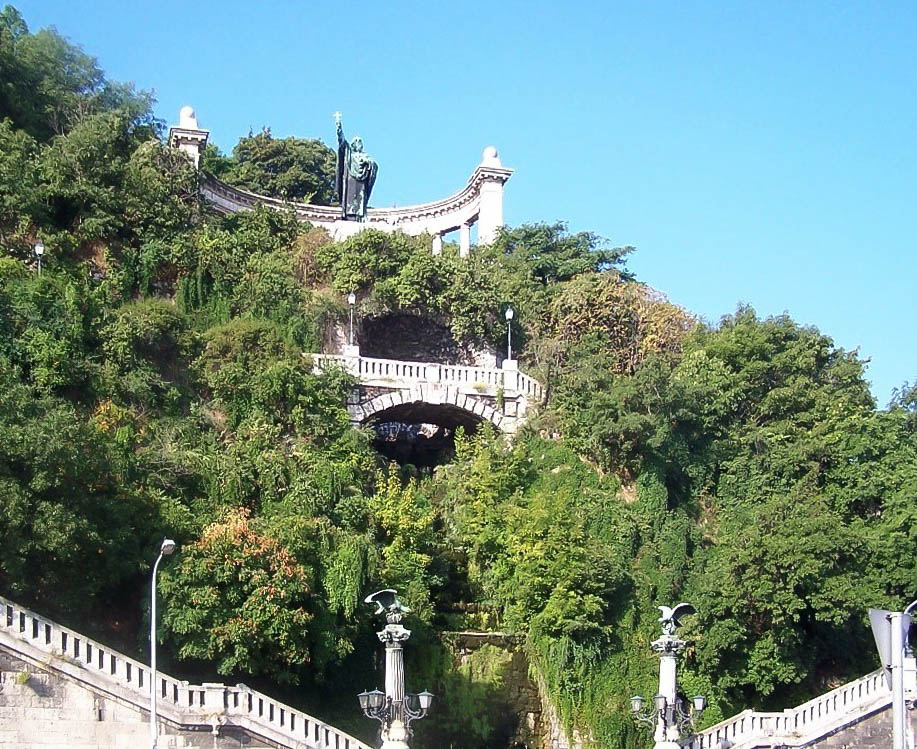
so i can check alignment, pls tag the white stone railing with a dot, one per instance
(209, 704)
(530, 387)
(798, 725)
(405, 374)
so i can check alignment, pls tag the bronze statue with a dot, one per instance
(356, 175)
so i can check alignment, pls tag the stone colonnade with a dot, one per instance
(479, 203)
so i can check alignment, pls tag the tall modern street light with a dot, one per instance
(509, 332)
(168, 546)
(393, 708)
(351, 300)
(671, 714)
(39, 252)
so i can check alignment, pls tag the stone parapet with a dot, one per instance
(182, 706)
(807, 724)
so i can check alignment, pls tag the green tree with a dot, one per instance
(66, 505)
(289, 168)
(238, 597)
(49, 85)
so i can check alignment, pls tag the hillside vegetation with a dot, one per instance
(153, 383)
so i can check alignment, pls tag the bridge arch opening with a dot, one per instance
(420, 434)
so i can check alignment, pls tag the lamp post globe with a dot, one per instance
(510, 312)
(39, 253)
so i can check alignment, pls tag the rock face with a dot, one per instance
(499, 661)
(497, 665)
(553, 735)
(413, 338)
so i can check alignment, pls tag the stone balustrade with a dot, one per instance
(799, 725)
(479, 380)
(500, 395)
(196, 706)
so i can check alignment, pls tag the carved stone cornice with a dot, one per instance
(668, 645)
(393, 634)
(186, 135)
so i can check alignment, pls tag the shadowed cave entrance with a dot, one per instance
(420, 434)
(406, 337)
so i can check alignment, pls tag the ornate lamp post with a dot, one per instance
(671, 714)
(168, 546)
(393, 708)
(39, 253)
(351, 300)
(509, 332)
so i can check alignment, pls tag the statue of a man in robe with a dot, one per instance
(356, 175)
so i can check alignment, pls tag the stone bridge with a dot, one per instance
(450, 395)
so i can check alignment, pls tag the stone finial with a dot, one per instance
(187, 119)
(490, 157)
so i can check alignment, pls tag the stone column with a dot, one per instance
(668, 646)
(493, 176)
(395, 732)
(437, 244)
(187, 137)
(464, 240)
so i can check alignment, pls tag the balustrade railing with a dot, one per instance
(471, 378)
(197, 704)
(804, 720)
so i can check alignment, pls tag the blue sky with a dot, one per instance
(763, 153)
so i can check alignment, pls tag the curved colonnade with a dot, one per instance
(479, 202)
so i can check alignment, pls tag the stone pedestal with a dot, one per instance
(490, 216)
(668, 646)
(510, 375)
(188, 137)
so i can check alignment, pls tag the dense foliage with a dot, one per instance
(296, 169)
(155, 380)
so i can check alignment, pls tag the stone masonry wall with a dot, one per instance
(873, 732)
(41, 710)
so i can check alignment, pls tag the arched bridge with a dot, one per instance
(450, 395)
